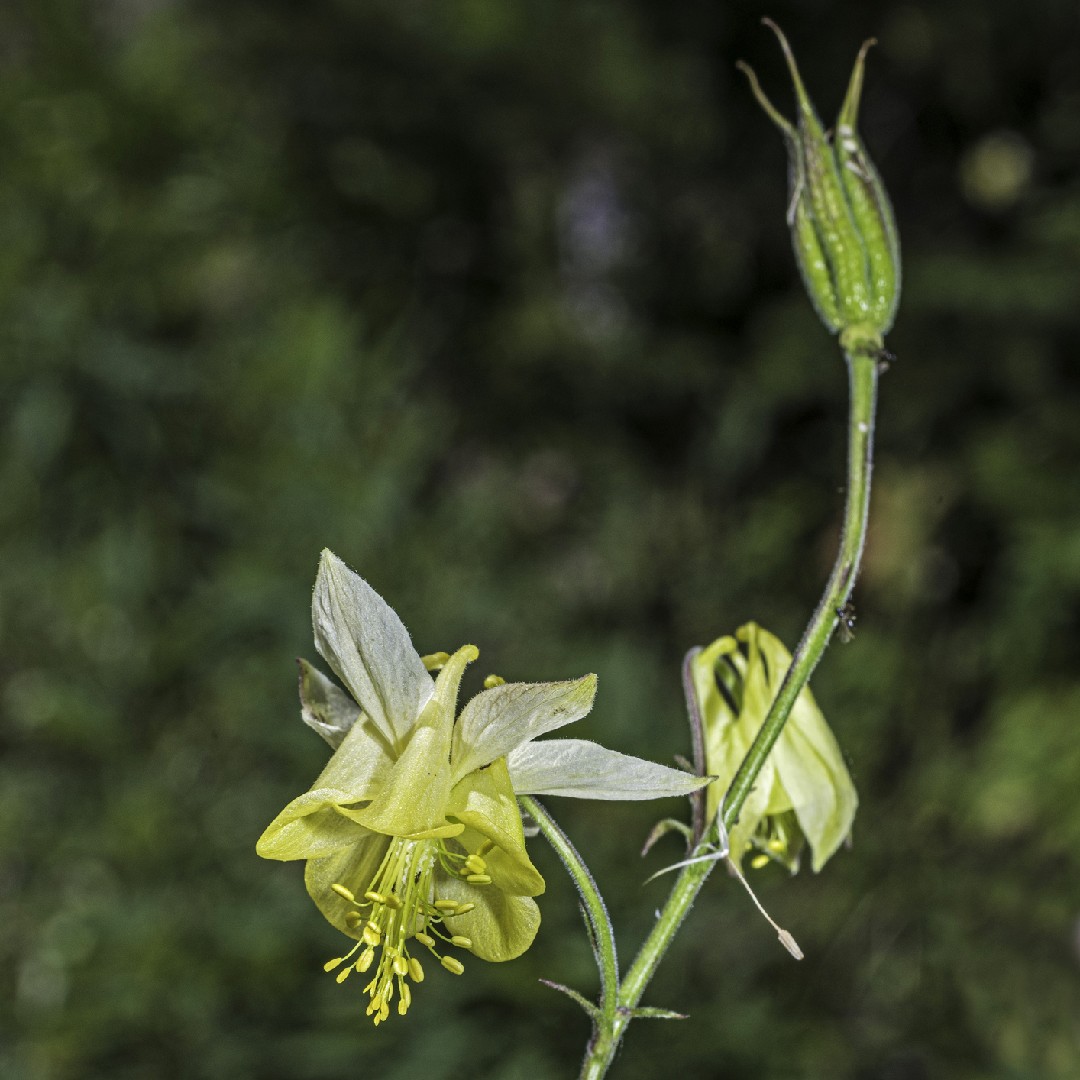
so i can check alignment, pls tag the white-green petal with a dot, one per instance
(416, 788)
(584, 770)
(324, 707)
(309, 828)
(812, 770)
(501, 926)
(353, 867)
(361, 637)
(496, 721)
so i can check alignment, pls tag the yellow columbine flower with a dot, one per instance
(804, 792)
(411, 834)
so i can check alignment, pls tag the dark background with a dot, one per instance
(495, 298)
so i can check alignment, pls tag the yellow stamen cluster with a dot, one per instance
(399, 904)
(777, 849)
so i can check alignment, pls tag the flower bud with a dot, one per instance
(842, 225)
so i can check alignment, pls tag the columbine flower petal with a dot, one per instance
(585, 770)
(501, 926)
(485, 803)
(416, 789)
(499, 719)
(361, 637)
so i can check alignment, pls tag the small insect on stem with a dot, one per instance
(846, 627)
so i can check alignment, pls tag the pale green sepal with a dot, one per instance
(585, 770)
(501, 926)
(365, 643)
(497, 720)
(485, 802)
(358, 767)
(352, 867)
(325, 708)
(308, 828)
(413, 798)
(817, 782)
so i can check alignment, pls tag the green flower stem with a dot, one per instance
(601, 933)
(863, 381)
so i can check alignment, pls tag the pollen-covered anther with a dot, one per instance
(475, 864)
(399, 905)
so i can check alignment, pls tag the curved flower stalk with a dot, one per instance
(804, 792)
(412, 835)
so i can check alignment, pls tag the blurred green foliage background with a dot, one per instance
(495, 299)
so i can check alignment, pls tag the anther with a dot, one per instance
(372, 935)
(452, 964)
(401, 965)
(759, 861)
(343, 974)
(426, 940)
(331, 964)
(366, 959)
(475, 864)
(345, 894)
(464, 909)
(478, 879)
(374, 897)
(461, 941)
(416, 972)
(446, 905)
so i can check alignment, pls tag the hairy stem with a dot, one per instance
(601, 934)
(863, 381)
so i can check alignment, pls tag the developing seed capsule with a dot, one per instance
(842, 225)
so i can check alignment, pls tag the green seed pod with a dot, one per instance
(842, 225)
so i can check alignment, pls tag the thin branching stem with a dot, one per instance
(863, 382)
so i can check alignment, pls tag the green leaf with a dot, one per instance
(647, 1013)
(584, 1002)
